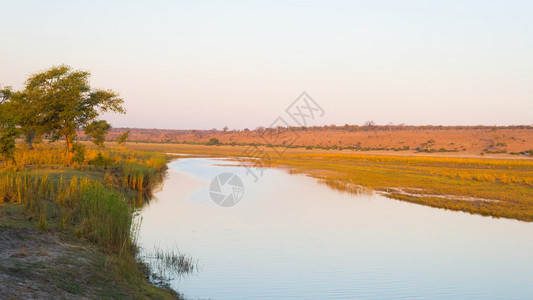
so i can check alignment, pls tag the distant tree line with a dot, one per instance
(145, 134)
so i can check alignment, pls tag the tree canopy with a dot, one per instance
(57, 103)
(8, 129)
(123, 137)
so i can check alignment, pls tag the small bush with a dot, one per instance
(79, 151)
(213, 141)
(101, 160)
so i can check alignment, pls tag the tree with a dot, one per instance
(27, 118)
(8, 130)
(428, 145)
(20, 109)
(225, 129)
(67, 103)
(5, 94)
(123, 137)
(97, 130)
(213, 141)
(7, 142)
(370, 125)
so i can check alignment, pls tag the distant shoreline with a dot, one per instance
(378, 139)
(237, 150)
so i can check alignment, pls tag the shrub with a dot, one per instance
(7, 143)
(213, 141)
(79, 151)
(101, 160)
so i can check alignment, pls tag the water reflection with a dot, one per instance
(291, 238)
(144, 197)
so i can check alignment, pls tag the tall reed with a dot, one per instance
(104, 217)
(32, 191)
(95, 211)
(137, 176)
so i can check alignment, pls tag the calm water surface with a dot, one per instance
(292, 238)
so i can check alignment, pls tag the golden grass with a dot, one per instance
(55, 155)
(89, 197)
(508, 182)
(90, 200)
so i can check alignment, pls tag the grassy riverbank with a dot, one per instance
(490, 186)
(65, 231)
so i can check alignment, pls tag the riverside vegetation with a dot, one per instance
(87, 203)
(67, 209)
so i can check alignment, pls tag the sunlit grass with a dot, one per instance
(90, 199)
(509, 183)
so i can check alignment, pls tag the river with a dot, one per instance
(290, 237)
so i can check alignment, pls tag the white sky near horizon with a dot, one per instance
(208, 64)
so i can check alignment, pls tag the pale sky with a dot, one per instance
(208, 64)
